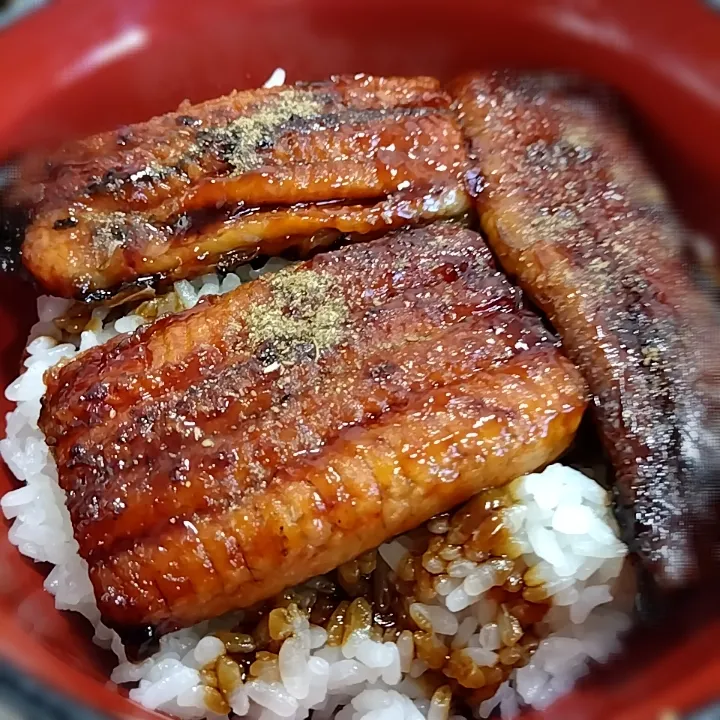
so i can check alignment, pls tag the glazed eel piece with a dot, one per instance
(222, 454)
(255, 172)
(572, 211)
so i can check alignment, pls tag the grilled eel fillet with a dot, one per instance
(572, 212)
(256, 172)
(222, 454)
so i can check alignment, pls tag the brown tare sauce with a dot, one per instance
(366, 595)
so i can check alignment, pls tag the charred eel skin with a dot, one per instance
(573, 213)
(265, 171)
(222, 454)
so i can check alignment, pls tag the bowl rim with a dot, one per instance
(39, 661)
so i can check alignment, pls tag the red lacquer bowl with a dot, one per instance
(78, 66)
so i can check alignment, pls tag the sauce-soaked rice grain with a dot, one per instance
(366, 598)
(215, 701)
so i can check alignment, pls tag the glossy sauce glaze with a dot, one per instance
(220, 455)
(572, 211)
(256, 172)
(366, 596)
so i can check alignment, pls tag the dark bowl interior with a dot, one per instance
(79, 66)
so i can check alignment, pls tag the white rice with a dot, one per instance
(561, 527)
(276, 79)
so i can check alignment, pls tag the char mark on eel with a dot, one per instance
(222, 454)
(572, 211)
(258, 172)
